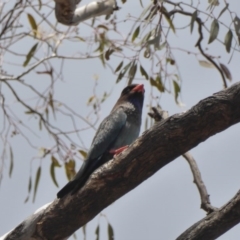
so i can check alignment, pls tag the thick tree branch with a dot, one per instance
(67, 13)
(216, 223)
(157, 147)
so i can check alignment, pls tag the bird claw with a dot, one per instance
(117, 151)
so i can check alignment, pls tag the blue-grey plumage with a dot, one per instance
(120, 128)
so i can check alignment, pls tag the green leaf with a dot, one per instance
(147, 52)
(236, 21)
(38, 174)
(143, 72)
(103, 26)
(101, 56)
(193, 19)
(119, 67)
(97, 232)
(84, 231)
(223, 10)
(83, 153)
(108, 53)
(70, 169)
(110, 232)
(79, 38)
(47, 113)
(29, 184)
(151, 14)
(171, 61)
(132, 72)
(213, 2)
(228, 40)
(30, 54)
(52, 173)
(135, 34)
(206, 64)
(226, 72)
(33, 24)
(176, 90)
(54, 164)
(74, 236)
(157, 83)
(163, 45)
(90, 100)
(26, 199)
(122, 73)
(169, 20)
(29, 112)
(155, 41)
(145, 10)
(146, 37)
(29, 189)
(11, 161)
(51, 104)
(213, 31)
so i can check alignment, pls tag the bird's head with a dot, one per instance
(133, 93)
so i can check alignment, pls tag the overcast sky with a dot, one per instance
(166, 204)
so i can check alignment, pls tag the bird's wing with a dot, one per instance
(106, 134)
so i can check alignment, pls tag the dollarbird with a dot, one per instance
(119, 129)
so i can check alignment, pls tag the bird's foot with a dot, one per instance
(117, 151)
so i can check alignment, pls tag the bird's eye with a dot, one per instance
(126, 90)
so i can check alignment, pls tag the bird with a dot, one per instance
(118, 130)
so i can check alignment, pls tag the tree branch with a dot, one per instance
(158, 115)
(205, 201)
(67, 13)
(157, 147)
(198, 44)
(216, 223)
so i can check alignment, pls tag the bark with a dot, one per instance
(216, 223)
(67, 13)
(157, 147)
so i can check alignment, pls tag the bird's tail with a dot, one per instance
(67, 188)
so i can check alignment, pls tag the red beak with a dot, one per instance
(139, 88)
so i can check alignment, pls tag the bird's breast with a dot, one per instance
(128, 134)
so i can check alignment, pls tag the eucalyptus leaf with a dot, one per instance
(236, 21)
(30, 54)
(37, 178)
(205, 64)
(136, 33)
(143, 72)
(11, 162)
(33, 24)
(110, 232)
(176, 90)
(193, 19)
(97, 232)
(119, 66)
(213, 31)
(228, 40)
(226, 71)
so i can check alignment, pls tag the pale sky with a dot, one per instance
(167, 203)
